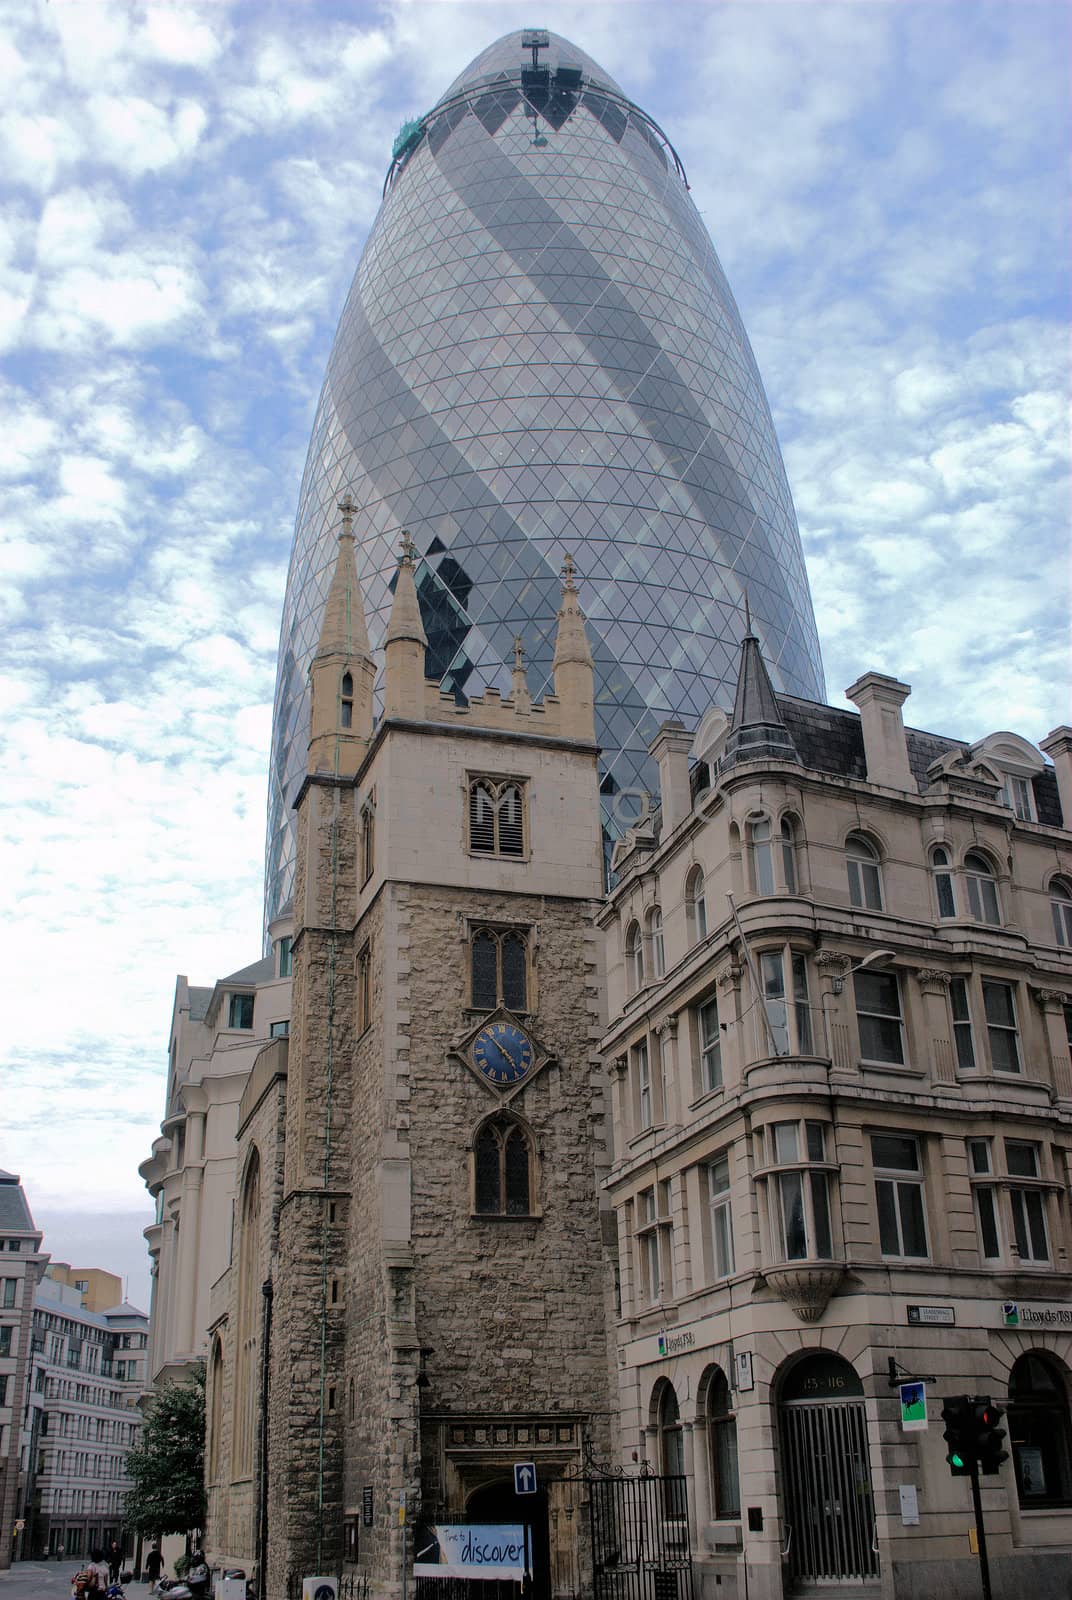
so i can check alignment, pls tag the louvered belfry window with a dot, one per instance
(496, 818)
(499, 969)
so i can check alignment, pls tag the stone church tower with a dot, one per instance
(438, 1267)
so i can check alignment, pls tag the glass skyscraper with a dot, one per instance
(540, 354)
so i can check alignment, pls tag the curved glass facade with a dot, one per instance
(539, 354)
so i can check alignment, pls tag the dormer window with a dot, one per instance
(1018, 797)
(240, 1011)
(346, 701)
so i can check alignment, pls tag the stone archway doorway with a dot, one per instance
(827, 1499)
(496, 1502)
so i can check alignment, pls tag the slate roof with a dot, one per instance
(829, 739)
(258, 972)
(14, 1212)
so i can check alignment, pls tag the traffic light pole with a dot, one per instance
(980, 1531)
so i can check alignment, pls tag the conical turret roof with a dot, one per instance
(757, 730)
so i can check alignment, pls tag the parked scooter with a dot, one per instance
(194, 1586)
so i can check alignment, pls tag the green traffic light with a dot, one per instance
(955, 1460)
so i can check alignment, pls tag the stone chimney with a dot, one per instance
(342, 673)
(574, 673)
(404, 644)
(879, 700)
(1058, 746)
(670, 747)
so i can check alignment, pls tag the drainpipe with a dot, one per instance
(262, 1488)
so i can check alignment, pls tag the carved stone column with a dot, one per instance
(734, 1052)
(832, 966)
(1052, 1004)
(619, 1069)
(675, 1089)
(937, 1027)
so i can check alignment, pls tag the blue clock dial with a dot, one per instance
(503, 1053)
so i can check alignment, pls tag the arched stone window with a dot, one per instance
(1039, 1435)
(788, 832)
(215, 1413)
(503, 1176)
(656, 942)
(634, 958)
(695, 905)
(1061, 907)
(346, 701)
(722, 1448)
(865, 878)
(943, 881)
(247, 1340)
(982, 889)
(761, 850)
(671, 1442)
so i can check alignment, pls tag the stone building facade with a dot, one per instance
(22, 1266)
(419, 1179)
(840, 1000)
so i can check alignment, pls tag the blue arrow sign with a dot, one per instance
(524, 1477)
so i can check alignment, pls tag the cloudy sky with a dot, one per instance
(186, 190)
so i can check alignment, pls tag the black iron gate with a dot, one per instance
(640, 1537)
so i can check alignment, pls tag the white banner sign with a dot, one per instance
(465, 1550)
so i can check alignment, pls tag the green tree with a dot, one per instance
(167, 1465)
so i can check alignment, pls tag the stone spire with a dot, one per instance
(757, 731)
(343, 628)
(404, 643)
(342, 673)
(573, 669)
(519, 683)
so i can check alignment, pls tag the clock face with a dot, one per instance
(503, 1053)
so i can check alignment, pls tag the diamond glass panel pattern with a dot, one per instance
(539, 354)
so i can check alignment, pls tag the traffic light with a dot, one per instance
(958, 1416)
(988, 1436)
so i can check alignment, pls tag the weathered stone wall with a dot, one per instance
(233, 1503)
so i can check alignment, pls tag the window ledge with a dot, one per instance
(898, 1069)
(502, 1216)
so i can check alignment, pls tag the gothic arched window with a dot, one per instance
(634, 958)
(496, 818)
(499, 969)
(246, 1343)
(346, 701)
(215, 1414)
(503, 1169)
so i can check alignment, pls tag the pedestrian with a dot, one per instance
(154, 1562)
(115, 1562)
(98, 1565)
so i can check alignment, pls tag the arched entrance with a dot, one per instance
(496, 1502)
(827, 1498)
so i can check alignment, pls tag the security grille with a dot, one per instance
(829, 1507)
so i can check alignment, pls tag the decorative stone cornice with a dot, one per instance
(807, 1287)
(833, 958)
(934, 979)
(667, 1025)
(729, 977)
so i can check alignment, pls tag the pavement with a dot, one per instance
(50, 1580)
